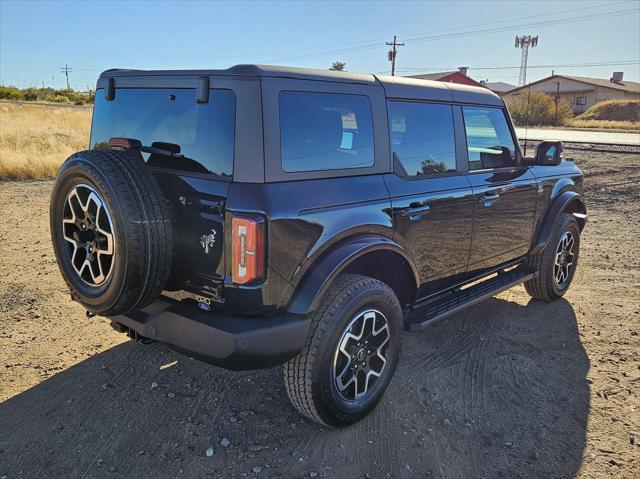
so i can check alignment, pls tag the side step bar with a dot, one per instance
(440, 307)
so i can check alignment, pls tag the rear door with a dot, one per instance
(431, 197)
(505, 191)
(194, 163)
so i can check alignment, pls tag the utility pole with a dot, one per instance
(392, 54)
(524, 42)
(557, 100)
(66, 69)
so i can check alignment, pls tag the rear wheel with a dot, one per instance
(350, 355)
(557, 264)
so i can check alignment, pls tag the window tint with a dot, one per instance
(172, 120)
(325, 131)
(489, 139)
(422, 138)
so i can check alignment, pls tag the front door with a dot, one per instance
(431, 197)
(504, 190)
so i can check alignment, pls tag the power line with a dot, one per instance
(393, 53)
(469, 33)
(375, 43)
(561, 65)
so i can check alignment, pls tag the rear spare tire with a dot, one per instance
(111, 231)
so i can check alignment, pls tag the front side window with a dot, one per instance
(200, 136)
(581, 100)
(489, 139)
(325, 131)
(422, 138)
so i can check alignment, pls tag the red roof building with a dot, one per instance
(456, 76)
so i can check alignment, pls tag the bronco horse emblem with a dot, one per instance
(207, 241)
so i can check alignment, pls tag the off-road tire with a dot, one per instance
(543, 287)
(308, 377)
(143, 236)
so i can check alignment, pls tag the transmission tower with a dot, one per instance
(524, 42)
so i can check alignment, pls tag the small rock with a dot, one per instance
(509, 444)
(112, 469)
(225, 442)
(140, 453)
(154, 385)
(446, 422)
(209, 452)
(257, 470)
(313, 474)
(407, 467)
(171, 395)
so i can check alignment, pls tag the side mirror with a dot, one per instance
(548, 153)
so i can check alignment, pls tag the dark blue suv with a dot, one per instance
(258, 216)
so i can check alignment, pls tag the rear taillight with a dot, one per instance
(248, 246)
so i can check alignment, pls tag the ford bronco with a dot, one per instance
(260, 215)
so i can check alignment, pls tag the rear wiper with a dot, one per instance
(157, 147)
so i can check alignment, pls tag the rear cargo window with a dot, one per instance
(325, 131)
(202, 133)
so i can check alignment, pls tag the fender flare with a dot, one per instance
(559, 206)
(320, 275)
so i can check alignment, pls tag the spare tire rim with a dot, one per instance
(564, 259)
(360, 358)
(88, 230)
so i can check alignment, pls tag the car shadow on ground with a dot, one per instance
(497, 391)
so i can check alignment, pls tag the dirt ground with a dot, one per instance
(509, 388)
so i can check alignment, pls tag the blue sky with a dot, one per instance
(37, 38)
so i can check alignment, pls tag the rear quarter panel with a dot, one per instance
(305, 218)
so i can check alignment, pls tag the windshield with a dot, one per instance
(202, 133)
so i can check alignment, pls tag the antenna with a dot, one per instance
(524, 42)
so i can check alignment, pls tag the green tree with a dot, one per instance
(538, 108)
(338, 66)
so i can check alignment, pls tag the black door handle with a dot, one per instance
(414, 212)
(488, 198)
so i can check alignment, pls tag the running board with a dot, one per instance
(439, 308)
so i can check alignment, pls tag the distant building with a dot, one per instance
(498, 87)
(581, 92)
(456, 76)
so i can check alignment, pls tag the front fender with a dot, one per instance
(564, 202)
(321, 274)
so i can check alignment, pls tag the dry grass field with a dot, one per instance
(35, 139)
(621, 114)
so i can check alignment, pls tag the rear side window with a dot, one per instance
(201, 134)
(422, 138)
(489, 139)
(325, 131)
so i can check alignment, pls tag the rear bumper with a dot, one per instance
(231, 342)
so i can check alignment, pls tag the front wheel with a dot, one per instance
(557, 263)
(350, 355)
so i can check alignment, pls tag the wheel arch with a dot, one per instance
(370, 255)
(566, 202)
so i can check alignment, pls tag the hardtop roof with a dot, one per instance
(395, 87)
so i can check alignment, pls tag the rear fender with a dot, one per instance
(321, 274)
